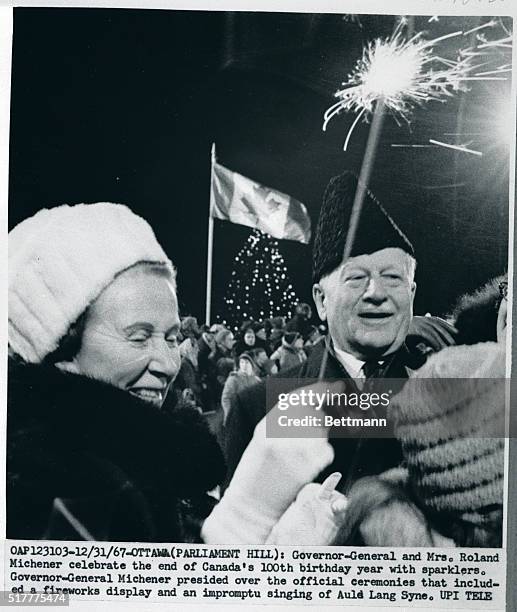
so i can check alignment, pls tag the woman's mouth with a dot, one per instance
(154, 396)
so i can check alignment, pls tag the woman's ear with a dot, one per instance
(318, 295)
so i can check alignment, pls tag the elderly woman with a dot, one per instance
(93, 324)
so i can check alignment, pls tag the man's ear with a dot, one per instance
(413, 289)
(68, 366)
(318, 295)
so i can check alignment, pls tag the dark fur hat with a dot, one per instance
(376, 229)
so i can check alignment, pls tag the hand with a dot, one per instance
(272, 471)
(303, 458)
(314, 518)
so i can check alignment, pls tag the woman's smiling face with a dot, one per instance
(130, 335)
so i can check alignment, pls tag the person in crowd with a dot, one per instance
(268, 326)
(189, 346)
(247, 339)
(224, 366)
(265, 366)
(315, 336)
(206, 352)
(277, 333)
(450, 492)
(300, 322)
(224, 348)
(189, 385)
(190, 328)
(290, 354)
(244, 376)
(224, 343)
(217, 327)
(367, 303)
(260, 335)
(93, 327)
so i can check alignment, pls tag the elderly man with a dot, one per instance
(367, 303)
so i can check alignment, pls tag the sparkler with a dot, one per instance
(403, 74)
(495, 56)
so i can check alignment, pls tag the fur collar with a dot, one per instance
(48, 408)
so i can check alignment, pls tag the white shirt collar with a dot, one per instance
(352, 364)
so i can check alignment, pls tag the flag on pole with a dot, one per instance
(238, 199)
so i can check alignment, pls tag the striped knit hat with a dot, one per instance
(452, 431)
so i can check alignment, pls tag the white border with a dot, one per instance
(415, 7)
(6, 33)
(380, 7)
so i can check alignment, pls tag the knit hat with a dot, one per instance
(376, 229)
(60, 260)
(221, 335)
(452, 431)
(247, 357)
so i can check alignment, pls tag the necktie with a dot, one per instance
(371, 369)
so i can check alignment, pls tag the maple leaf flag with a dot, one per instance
(238, 199)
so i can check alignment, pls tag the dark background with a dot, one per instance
(123, 105)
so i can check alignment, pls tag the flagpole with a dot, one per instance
(210, 244)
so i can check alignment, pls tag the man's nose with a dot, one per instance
(375, 290)
(165, 361)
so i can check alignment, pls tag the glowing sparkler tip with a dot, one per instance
(403, 74)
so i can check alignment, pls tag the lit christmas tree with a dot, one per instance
(259, 287)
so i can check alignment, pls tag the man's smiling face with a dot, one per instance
(367, 302)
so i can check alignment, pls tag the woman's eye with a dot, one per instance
(355, 278)
(139, 338)
(172, 341)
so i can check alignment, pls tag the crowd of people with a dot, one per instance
(110, 393)
(216, 361)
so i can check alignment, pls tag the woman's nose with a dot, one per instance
(164, 360)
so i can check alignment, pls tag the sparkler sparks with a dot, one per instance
(462, 148)
(403, 74)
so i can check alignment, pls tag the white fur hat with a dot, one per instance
(60, 260)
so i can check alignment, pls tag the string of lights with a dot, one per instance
(259, 286)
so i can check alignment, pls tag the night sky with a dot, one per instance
(123, 105)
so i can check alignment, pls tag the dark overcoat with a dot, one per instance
(354, 457)
(86, 460)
